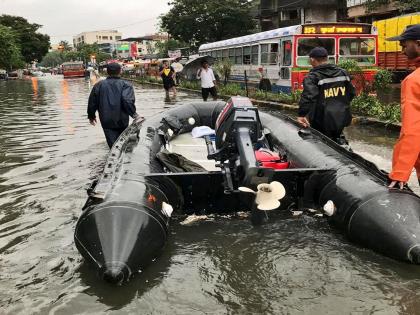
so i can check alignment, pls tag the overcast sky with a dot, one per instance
(61, 19)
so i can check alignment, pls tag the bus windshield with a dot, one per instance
(359, 49)
(305, 45)
(73, 66)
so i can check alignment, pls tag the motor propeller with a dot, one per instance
(267, 195)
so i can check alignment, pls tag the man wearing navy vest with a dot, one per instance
(326, 97)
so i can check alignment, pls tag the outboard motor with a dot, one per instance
(238, 130)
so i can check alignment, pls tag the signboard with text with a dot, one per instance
(336, 29)
(174, 53)
(133, 49)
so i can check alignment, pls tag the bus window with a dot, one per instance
(274, 51)
(254, 55)
(264, 54)
(287, 52)
(232, 55)
(238, 56)
(306, 44)
(218, 54)
(225, 54)
(360, 49)
(247, 55)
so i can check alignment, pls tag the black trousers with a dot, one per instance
(206, 91)
(112, 135)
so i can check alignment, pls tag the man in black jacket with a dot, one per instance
(114, 100)
(326, 97)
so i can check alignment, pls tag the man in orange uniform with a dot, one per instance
(407, 150)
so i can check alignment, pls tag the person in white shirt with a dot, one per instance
(208, 81)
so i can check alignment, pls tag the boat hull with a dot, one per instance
(124, 226)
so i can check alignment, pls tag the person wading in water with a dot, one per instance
(326, 97)
(114, 100)
(167, 74)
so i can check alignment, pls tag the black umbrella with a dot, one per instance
(191, 67)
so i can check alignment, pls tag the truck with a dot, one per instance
(390, 56)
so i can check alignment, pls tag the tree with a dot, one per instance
(10, 56)
(64, 45)
(53, 59)
(402, 5)
(85, 51)
(33, 45)
(224, 68)
(197, 22)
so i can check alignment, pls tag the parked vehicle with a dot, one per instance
(73, 69)
(281, 55)
(390, 55)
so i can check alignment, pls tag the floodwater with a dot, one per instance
(293, 265)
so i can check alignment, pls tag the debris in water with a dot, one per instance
(194, 218)
(242, 214)
(296, 213)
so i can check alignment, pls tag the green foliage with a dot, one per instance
(192, 85)
(296, 96)
(53, 59)
(224, 69)
(33, 45)
(84, 51)
(402, 5)
(350, 65)
(65, 45)
(281, 97)
(10, 56)
(356, 73)
(383, 78)
(197, 22)
(408, 5)
(369, 105)
(372, 5)
(231, 89)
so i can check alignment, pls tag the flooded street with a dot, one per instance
(49, 154)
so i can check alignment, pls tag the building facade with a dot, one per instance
(146, 45)
(273, 14)
(358, 12)
(99, 37)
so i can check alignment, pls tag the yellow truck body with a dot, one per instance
(389, 53)
(393, 27)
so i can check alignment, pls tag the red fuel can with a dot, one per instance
(269, 159)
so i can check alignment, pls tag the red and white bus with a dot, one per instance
(281, 55)
(73, 69)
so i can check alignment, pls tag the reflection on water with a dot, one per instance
(49, 154)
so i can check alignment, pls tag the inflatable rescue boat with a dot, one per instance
(242, 159)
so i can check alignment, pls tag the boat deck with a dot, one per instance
(194, 149)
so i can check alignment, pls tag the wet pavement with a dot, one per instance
(293, 265)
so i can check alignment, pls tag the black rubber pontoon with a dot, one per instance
(124, 224)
